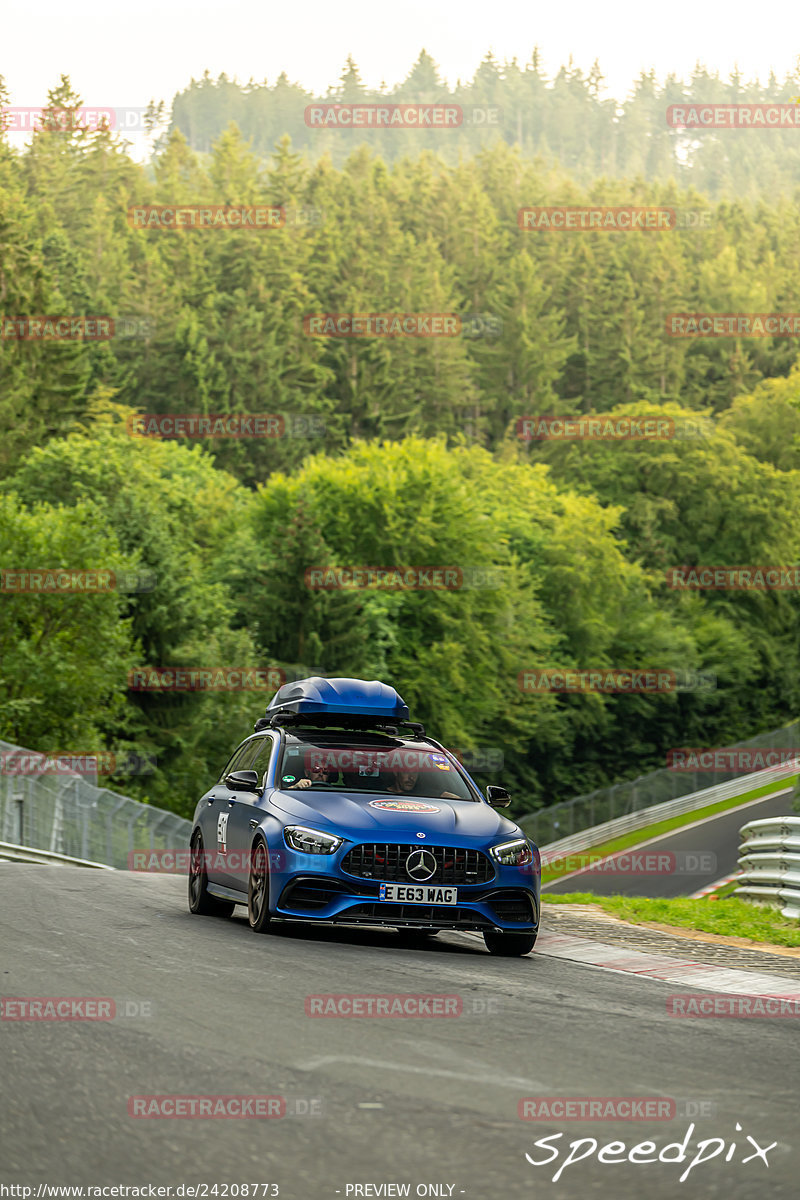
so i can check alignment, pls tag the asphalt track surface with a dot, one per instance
(704, 852)
(228, 1018)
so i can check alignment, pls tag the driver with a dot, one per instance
(317, 774)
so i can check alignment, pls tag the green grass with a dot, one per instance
(731, 917)
(636, 836)
(722, 893)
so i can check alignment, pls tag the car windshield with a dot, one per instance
(369, 763)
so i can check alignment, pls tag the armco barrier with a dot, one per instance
(561, 820)
(769, 862)
(24, 854)
(67, 816)
(599, 834)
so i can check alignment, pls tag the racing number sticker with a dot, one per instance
(222, 832)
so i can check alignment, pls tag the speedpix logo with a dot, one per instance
(645, 1152)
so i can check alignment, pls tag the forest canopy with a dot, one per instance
(398, 452)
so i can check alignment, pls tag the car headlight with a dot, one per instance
(311, 841)
(512, 854)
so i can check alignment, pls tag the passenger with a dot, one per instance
(405, 784)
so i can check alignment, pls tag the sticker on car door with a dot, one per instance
(222, 832)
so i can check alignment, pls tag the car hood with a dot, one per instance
(364, 814)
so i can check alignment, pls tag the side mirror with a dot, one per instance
(497, 797)
(242, 781)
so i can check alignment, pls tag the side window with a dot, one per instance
(251, 752)
(260, 763)
(240, 758)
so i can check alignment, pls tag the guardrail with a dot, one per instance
(769, 861)
(658, 787)
(598, 834)
(69, 817)
(25, 854)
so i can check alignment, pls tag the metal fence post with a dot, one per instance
(19, 799)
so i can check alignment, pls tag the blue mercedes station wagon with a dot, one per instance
(338, 809)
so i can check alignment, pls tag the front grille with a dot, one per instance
(386, 861)
(439, 916)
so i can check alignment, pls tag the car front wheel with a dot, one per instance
(509, 945)
(258, 889)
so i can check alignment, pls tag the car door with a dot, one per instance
(215, 814)
(241, 812)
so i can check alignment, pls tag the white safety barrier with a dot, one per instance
(769, 861)
(556, 821)
(597, 835)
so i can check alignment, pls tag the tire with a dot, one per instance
(258, 888)
(200, 899)
(509, 945)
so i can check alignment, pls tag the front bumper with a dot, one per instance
(314, 887)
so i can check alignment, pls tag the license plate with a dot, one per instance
(405, 893)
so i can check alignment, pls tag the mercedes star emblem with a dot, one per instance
(421, 865)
